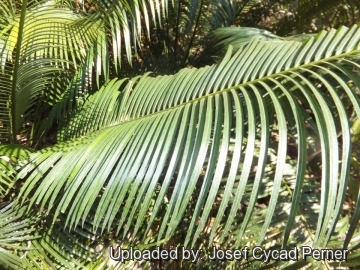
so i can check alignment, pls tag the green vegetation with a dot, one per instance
(163, 123)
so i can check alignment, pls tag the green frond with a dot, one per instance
(10, 154)
(124, 19)
(27, 243)
(227, 12)
(174, 138)
(70, 100)
(237, 37)
(42, 49)
(92, 115)
(61, 248)
(17, 233)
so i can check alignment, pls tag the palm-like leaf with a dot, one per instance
(10, 154)
(37, 47)
(28, 74)
(16, 236)
(29, 243)
(226, 12)
(144, 157)
(179, 140)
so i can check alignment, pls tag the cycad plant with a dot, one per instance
(252, 149)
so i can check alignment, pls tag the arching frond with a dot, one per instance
(172, 147)
(39, 52)
(33, 50)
